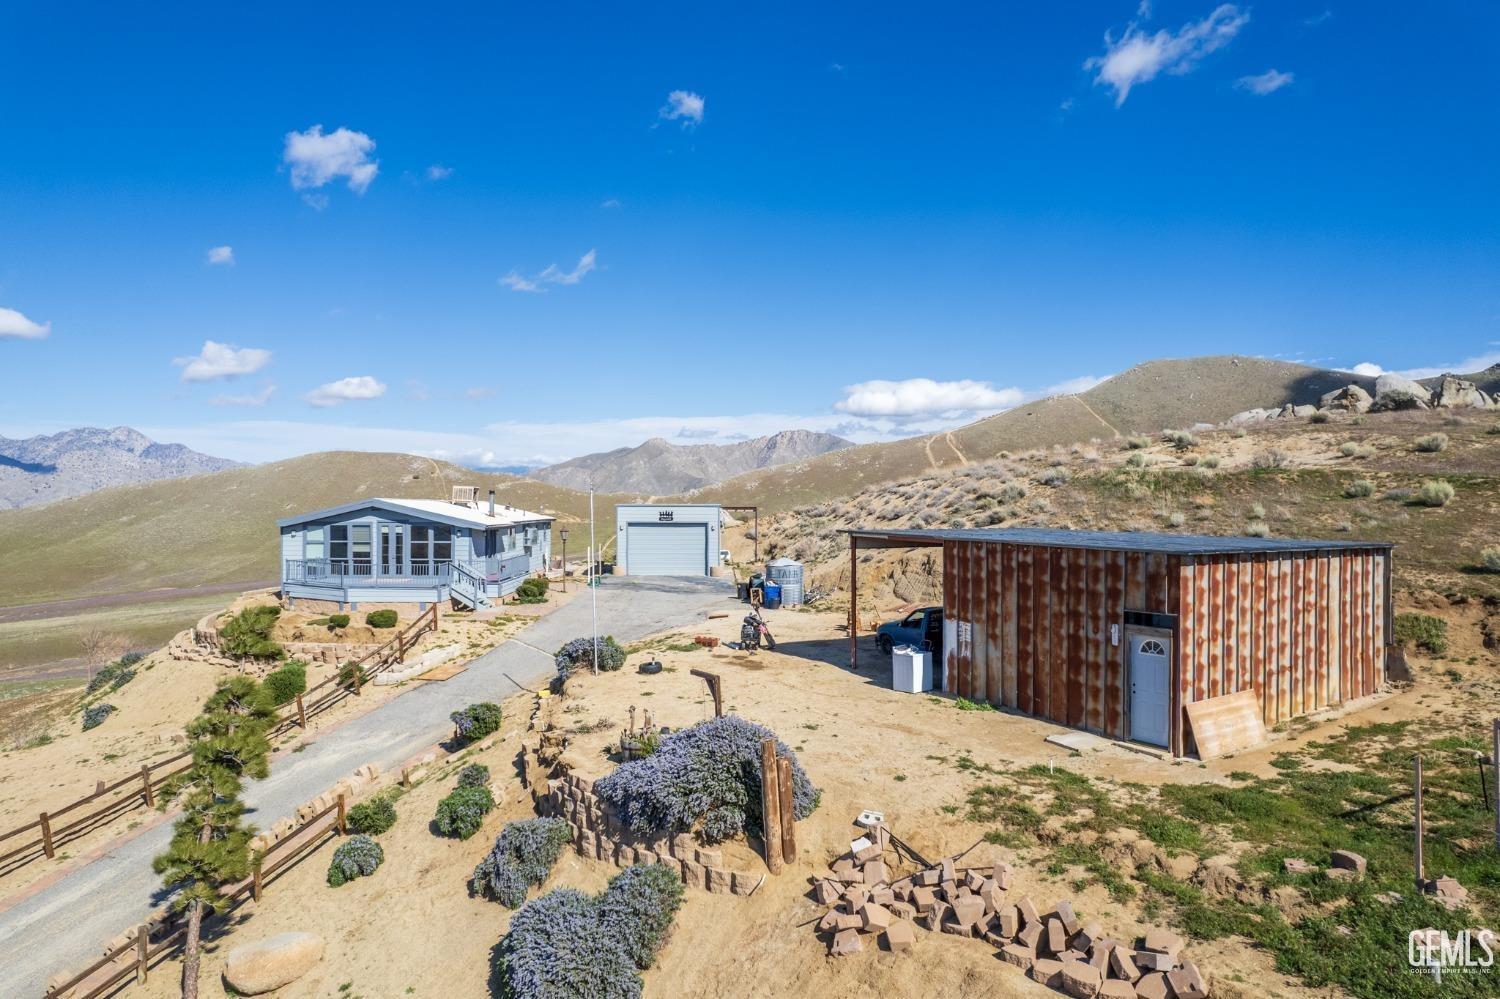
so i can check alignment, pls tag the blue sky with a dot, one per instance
(518, 234)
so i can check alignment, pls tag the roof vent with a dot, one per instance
(465, 495)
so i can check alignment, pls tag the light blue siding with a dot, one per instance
(657, 527)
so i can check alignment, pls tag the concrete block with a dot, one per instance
(883, 896)
(1001, 876)
(874, 918)
(900, 935)
(1150, 960)
(929, 878)
(869, 853)
(1153, 986)
(1047, 972)
(709, 858)
(1057, 935)
(830, 921)
(968, 911)
(1019, 955)
(948, 871)
(1068, 916)
(847, 921)
(1080, 980)
(1113, 988)
(902, 910)
(1296, 865)
(1187, 983)
(1162, 941)
(1085, 938)
(875, 872)
(693, 874)
(744, 882)
(1008, 918)
(958, 929)
(825, 892)
(718, 880)
(1028, 910)
(924, 899)
(1030, 935)
(845, 942)
(1122, 964)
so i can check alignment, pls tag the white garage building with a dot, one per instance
(676, 539)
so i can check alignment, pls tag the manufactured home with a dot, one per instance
(1120, 633)
(411, 551)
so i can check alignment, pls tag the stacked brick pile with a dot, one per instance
(1054, 947)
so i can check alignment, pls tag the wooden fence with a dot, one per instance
(139, 789)
(154, 941)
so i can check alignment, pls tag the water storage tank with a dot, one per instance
(789, 574)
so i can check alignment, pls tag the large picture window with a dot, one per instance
(313, 546)
(361, 546)
(431, 543)
(338, 543)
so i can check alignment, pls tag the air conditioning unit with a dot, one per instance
(466, 495)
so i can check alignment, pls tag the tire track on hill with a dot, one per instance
(1090, 410)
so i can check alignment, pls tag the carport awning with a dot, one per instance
(863, 540)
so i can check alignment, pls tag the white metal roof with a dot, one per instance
(459, 515)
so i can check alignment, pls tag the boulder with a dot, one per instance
(268, 965)
(1348, 860)
(1304, 411)
(1392, 391)
(1249, 416)
(1350, 397)
(1456, 393)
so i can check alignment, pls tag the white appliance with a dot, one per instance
(911, 669)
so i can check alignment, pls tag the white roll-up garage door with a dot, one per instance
(666, 549)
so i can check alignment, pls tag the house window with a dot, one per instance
(313, 544)
(361, 544)
(435, 543)
(338, 542)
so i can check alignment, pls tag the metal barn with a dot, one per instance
(668, 539)
(1117, 633)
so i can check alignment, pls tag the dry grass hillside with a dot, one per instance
(1147, 397)
(221, 527)
(1348, 478)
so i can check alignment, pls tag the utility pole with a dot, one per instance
(594, 580)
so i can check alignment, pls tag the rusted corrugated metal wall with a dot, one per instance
(1305, 631)
(1028, 627)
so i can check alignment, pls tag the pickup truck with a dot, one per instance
(922, 629)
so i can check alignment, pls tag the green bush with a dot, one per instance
(533, 590)
(1422, 630)
(247, 635)
(357, 857)
(373, 817)
(462, 813)
(381, 619)
(1435, 493)
(1490, 558)
(285, 683)
(350, 674)
(1432, 443)
(475, 722)
(474, 775)
(338, 621)
(638, 906)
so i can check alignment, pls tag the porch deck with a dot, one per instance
(473, 582)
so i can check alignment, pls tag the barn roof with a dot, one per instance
(1121, 541)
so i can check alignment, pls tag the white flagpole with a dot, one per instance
(594, 581)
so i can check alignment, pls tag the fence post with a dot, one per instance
(301, 713)
(98, 788)
(788, 811)
(255, 876)
(343, 817)
(1417, 796)
(47, 837)
(146, 786)
(770, 800)
(1495, 756)
(142, 952)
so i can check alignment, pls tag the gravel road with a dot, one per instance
(65, 925)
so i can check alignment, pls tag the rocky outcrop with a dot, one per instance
(1350, 397)
(1455, 393)
(268, 965)
(1393, 391)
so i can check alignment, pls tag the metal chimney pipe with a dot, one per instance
(492, 502)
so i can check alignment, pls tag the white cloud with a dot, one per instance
(610, 203)
(683, 105)
(479, 392)
(1464, 366)
(221, 255)
(925, 397)
(317, 202)
(345, 390)
(316, 159)
(222, 360)
(1137, 57)
(439, 172)
(14, 324)
(1265, 83)
(254, 399)
(515, 281)
(1367, 369)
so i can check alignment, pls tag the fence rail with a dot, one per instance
(140, 788)
(170, 930)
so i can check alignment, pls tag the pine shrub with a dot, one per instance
(476, 721)
(522, 857)
(474, 775)
(554, 950)
(94, 715)
(356, 857)
(373, 817)
(381, 619)
(285, 683)
(247, 635)
(638, 906)
(706, 777)
(579, 654)
(462, 813)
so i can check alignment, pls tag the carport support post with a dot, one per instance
(770, 805)
(853, 606)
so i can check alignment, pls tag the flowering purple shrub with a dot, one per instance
(706, 776)
(523, 856)
(474, 775)
(462, 812)
(579, 654)
(638, 906)
(356, 857)
(555, 950)
(476, 721)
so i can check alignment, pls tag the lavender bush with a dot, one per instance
(357, 857)
(523, 856)
(579, 654)
(554, 950)
(474, 775)
(476, 721)
(638, 906)
(706, 776)
(462, 813)
(94, 716)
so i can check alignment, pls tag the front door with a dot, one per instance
(1150, 676)
(392, 549)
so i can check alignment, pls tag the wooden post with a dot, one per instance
(343, 817)
(98, 788)
(301, 713)
(359, 676)
(255, 884)
(715, 687)
(47, 837)
(1495, 756)
(632, 719)
(853, 606)
(788, 812)
(146, 786)
(770, 804)
(1417, 795)
(142, 952)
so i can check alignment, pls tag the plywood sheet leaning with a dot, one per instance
(1226, 724)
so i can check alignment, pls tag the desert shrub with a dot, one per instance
(462, 813)
(1190, 460)
(1055, 477)
(474, 775)
(476, 721)
(1011, 492)
(1400, 494)
(1359, 488)
(1422, 630)
(1435, 493)
(356, 857)
(1348, 449)
(706, 776)
(114, 676)
(337, 621)
(1490, 558)
(522, 857)
(554, 950)
(1494, 429)
(1257, 512)
(94, 715)
(1181, 440)
(1269, 460)
(1209, 461)
(1137, 443)
(248, 633)
(533, 590)
(1321, 416)
(579, 654)
(381, 618)
(285, 683)
(373, 817)
(1176, 519)
(1138, 460)
(638, 906)
(1432, 443)
(1257, 529)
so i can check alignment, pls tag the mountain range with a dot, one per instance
(46, 468)
(659, 467)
